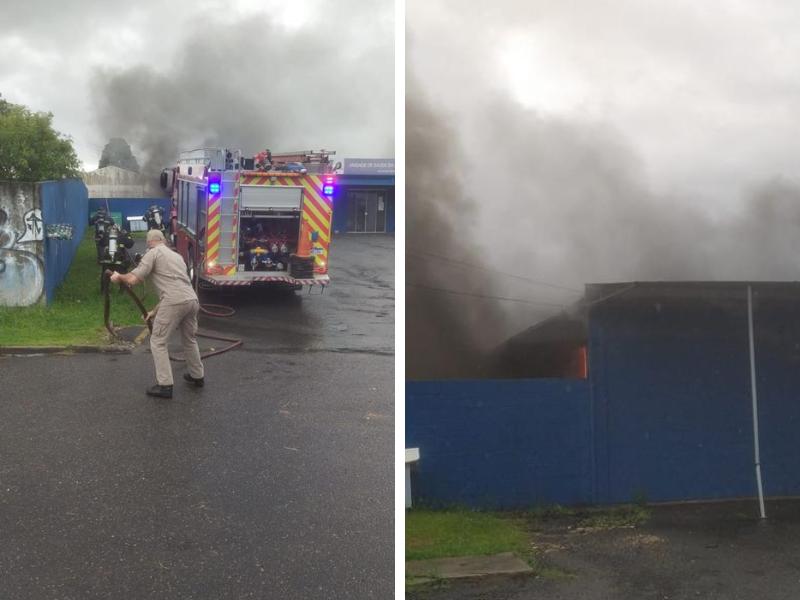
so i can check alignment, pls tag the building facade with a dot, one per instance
(667, 410)
(364, 200)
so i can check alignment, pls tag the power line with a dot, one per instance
(486, 296)
(421, 253)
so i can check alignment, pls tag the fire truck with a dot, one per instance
(242, 221)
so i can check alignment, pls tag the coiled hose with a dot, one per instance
(226, 311)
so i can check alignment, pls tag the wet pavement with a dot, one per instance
(710, 551)
(273, 481)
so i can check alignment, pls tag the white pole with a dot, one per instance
(754, 394)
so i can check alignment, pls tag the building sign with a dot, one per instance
(368, 166)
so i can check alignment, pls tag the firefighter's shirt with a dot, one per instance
(167, 272)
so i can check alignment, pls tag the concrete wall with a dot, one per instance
(22, 272)
(114, 182)
(63, 202)
(500, 443)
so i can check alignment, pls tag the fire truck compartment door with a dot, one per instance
(259, 197)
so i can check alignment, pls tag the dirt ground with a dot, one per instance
(709, 551)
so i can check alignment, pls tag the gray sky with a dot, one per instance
(244, 73)
(705, 93)
(598, 140)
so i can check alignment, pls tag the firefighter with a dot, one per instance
(154, 217)
(178, 307)
(113, 252)
(102, 221)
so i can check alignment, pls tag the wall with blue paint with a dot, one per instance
(63, 202)
(340, 211)
(340, 203)
(129, 207)
(500, 444)
(390, 208)
(666, 414)
(671, 399)
(672, 396)
(776, 322)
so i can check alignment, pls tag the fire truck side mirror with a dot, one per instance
(163, 180)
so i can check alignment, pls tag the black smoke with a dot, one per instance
(254, 84)
(560, 202)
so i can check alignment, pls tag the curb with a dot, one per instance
(33, 350)
(125, 347)
(505, 563)
(121, 347)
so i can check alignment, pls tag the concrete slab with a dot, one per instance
(505, 563)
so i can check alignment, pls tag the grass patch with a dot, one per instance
(461, 532)
(550, 512)
(75, 316)
(619, 516)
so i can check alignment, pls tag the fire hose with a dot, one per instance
(227, 312)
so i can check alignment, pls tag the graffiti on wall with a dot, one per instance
(21, 270)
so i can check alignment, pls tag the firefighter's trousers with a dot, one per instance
(183, 316)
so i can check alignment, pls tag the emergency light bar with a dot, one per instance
(214, 184)
(327, 187)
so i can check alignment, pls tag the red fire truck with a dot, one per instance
(239, 222)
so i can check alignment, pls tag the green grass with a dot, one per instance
(549, 512)
(461, 532)
(75, 316)
(626, 515)
(618, 516)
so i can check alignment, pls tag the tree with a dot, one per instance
(30, 149)
(118, 153)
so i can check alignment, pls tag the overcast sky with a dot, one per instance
(307, 74)
(601, 140)
(705, 93)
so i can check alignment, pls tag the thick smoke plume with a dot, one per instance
(563, 203)
(589, 142)
(439, 328)
(253, 84)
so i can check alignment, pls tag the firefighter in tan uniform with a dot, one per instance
(177, 307)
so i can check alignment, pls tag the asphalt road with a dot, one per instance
(273, 481)
(715, 551)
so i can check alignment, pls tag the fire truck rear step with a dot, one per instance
(260, 277)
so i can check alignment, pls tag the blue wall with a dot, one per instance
(340, 204)
(671, 399)
(390, 208)
(64, 201)
(130, 207)
(777, 341)
(499, 444)
(665, 415)
(339, 220)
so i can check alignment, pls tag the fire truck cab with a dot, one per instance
(238, 225)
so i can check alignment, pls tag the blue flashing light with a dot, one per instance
(214, 184)
(327, 190)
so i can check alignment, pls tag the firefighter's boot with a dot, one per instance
(195, 381)
(160, 391)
